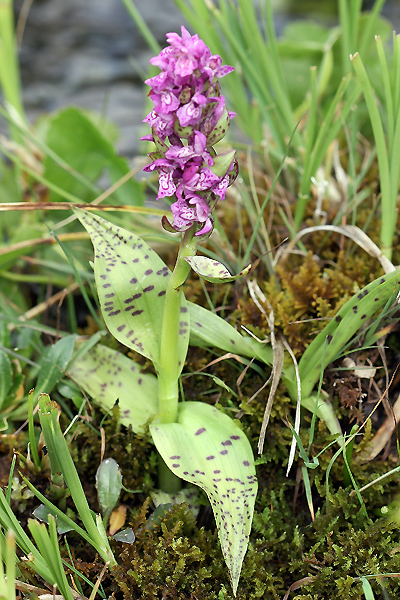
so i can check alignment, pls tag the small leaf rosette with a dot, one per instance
(188, 119)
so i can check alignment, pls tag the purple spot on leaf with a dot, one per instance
(200, 431)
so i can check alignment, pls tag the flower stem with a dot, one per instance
(169, 354)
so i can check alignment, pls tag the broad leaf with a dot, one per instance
(108, 376)
(131, 281)
(212, 270)
(208, 449)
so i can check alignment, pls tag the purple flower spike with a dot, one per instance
(188, 118)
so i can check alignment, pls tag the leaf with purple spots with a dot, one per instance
(208, 449)
(213, 271)
(131, 280)
(329, 343)
(108, 376)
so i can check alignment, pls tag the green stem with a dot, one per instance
(169, 368)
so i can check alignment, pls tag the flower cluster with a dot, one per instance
(188, 118)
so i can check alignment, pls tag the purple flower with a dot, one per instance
(188, 211)
(197, 149)
(188, 118)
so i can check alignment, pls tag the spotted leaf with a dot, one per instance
(208, 449)
(330, 342)
(131, 280)
(212, 270)
(108, 376)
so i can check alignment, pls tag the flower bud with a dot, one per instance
(222, 162)
(161, 146)
(220, 129)
(183, 132)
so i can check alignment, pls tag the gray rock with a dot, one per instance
(90, 53)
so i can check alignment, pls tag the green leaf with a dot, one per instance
(367, 589)
(57, 445)
(85, 152)
(131, 281)
(108, 376)
(349, 319)
(207, 328)
(48, 547)
(42, 513)
(212, 270)
(127, 536)
(108, 484)
(208, 449)
(8, 520)
(6, 376)
(53, 364)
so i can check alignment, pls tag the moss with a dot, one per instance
(180, 558)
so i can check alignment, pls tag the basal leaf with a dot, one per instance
(212, 270)
(108, 376)
(131, 281)
(208, 449)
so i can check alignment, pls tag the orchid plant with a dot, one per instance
(143, 303)
(144, 307)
